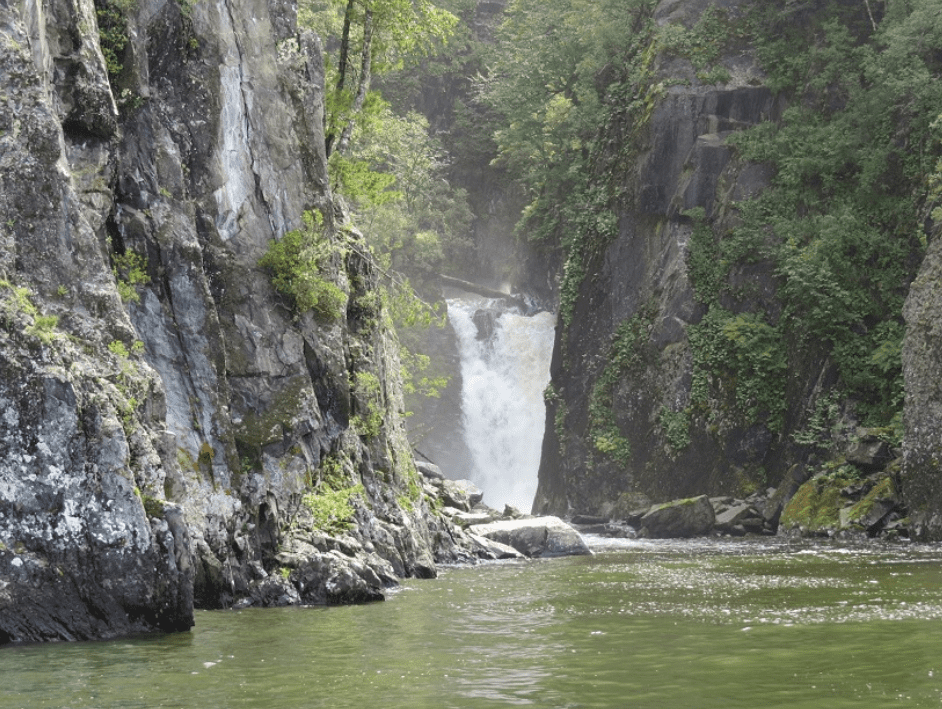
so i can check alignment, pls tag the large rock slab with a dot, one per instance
(535, 537)
(692, 517)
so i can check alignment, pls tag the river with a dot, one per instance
(641, 624)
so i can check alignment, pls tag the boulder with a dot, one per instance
(429, 471)
(489, 549)
(873, 509)
(868, 451)
(467, 519)
(738, 519)
(461, 494)
(692, 517)
(535, 537)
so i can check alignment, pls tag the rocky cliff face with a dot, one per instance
(639, 292)
(922, 446)
(165, 415)
(630, 417)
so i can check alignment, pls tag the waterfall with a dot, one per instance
(505, 361)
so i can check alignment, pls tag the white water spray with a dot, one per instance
(503, 378)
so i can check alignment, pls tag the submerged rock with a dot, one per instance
(535, 536)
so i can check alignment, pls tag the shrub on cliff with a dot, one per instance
(300, 266)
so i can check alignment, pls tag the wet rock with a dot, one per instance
(922, 414)
(485, 320)
(511, 512)
(490, 549)
(332, 578)
(535, 537)
(691, 517)
(739, 519)
(466, 519)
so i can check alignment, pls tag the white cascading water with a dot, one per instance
(503, 378)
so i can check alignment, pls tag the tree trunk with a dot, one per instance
(341, 67)
(363, 85)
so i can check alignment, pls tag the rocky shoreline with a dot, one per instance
(838, 504)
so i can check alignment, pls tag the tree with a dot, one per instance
(375, 36)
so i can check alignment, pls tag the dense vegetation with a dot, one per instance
(842, 228)
(561, 100)
(843, 224)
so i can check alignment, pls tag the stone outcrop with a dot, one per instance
(168, 422)
(654, 419)
(832, 505)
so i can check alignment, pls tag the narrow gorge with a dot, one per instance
(719, 221)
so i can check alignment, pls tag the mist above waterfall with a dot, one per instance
(505, 360)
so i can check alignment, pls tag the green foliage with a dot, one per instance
(570, 81)
(371, 409)
(130, 271)
(392, 170)
(822, 424)
(300, 263)
(740, 359)
(18, 300)
(842, 225)
(415, 221)
(44, 327)
(705, 265)
(703, 43)
(118, 348)
(113, 32)
(625, 355)
(153, 507)
(332, 509)
(331, 500)
(372, 37)
(676, 428)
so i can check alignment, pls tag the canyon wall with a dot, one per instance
(170, 425)
(680, 369)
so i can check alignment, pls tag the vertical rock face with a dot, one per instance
(163, 412)
(639, 293)
(922, 369)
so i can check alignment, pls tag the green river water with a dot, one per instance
(640, 624)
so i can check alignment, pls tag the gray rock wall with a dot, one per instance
(642, 277)
(158, 437)
(922, 413)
